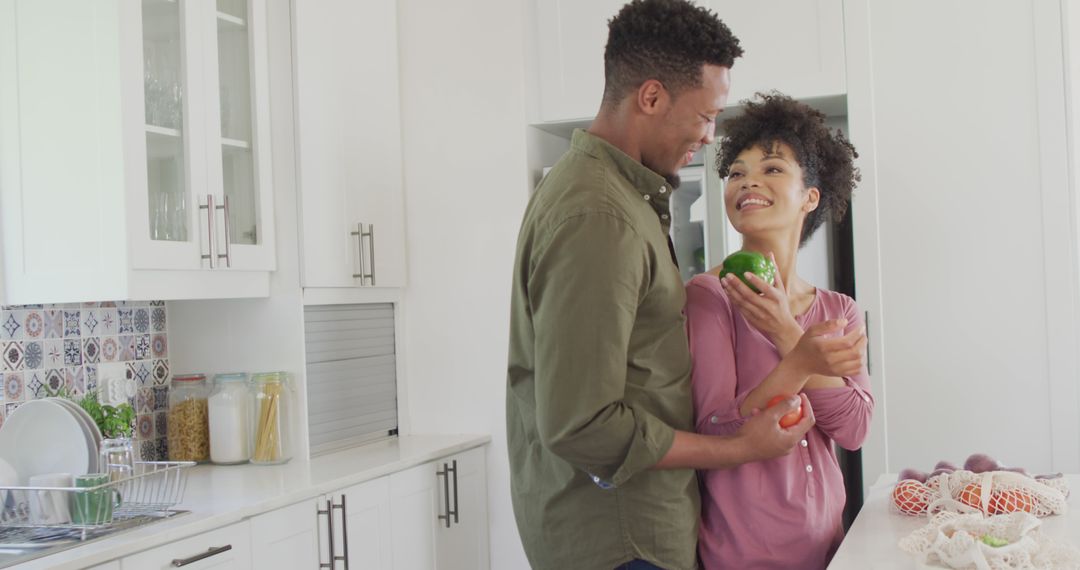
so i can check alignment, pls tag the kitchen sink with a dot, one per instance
(22, 544)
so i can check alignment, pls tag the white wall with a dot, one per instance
(466, 186)
(960, 231)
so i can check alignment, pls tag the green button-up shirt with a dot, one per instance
(599, 369)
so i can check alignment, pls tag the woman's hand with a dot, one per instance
(823, 351)
(769, 312)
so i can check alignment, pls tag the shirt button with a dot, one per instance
(866, 398)
(647, 197)
(803, 443)
(714, 420)
(809, 468)
(663, 216)
(663, 189)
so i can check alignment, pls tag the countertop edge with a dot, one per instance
(191, 524)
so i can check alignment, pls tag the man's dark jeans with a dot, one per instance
(639, 565)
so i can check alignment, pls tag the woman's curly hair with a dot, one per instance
(826, 157)
(666, 40)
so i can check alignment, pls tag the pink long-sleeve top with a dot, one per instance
(784, 512)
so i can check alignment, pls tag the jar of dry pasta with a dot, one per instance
(188, 418)
(270, 413)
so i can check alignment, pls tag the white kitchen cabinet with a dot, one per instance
(286, 539)
(124, 122)
(227, 548)
(348, 136)
(796, 47)
(463, 543)
(114, 565)
(365, 533)
(440, 516)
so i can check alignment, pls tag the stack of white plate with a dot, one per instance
(52, 435)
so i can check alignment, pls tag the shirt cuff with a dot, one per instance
(725, 420)
(652, 440)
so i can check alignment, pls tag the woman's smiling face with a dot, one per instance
(765, 191)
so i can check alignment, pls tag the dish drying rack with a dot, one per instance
(148, 494)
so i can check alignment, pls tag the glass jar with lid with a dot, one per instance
(188, 418)
(230, 419)
(271, 409)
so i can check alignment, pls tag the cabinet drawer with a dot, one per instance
(236, 537)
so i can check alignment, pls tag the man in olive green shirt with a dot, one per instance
(599, 415)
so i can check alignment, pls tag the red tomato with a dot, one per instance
(789, 419)
(911, 497)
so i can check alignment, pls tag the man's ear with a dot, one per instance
(813, 199)
(652, 97)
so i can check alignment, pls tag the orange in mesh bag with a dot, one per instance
(995, 493)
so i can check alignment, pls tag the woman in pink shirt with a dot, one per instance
(786, 173)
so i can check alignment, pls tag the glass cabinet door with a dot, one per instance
(237, 105)
(164, 91)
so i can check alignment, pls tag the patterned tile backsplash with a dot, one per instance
(47, 348)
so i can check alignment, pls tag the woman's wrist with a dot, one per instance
(787, 338)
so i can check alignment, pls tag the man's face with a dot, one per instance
(685, 122)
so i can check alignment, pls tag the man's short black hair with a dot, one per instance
(826, 158)
(666, 40)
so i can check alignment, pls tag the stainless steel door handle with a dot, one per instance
(228, 235)
(344, 535)
(367, 263)
(212, 551)
(455, 513)
(329, 512)
(209, 207)
(445, 474)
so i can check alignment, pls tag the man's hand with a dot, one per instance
(762, 437)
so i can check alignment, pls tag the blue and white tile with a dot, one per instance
(53, 380)
(161, 398)
(54, 352)
(54, 323)
(10, 326)
(33, 355)
(14, 388)
(110, 349)
(163, 449)
(142, 347)
(109, 321)
(141, 320)
(141, 371)
(75, 380)
(148, 450)
(160, 372)
(125, 321)
(90, 324)
(72, 352)
(160, 425)
(127, 348)
(158, 319)
(13, 355)
(144, 426)
(72, 323)
(159, 346)
(144, 401)
(34, 324)
(91, 350)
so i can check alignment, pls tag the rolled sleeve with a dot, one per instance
(709, 324)
(586, 285)
(844, 413)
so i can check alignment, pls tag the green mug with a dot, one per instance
(95, 505)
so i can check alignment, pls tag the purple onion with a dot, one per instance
(913, 474)
(981, 463)
(945, 465)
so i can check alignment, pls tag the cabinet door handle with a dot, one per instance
(454, 469)
(209, 207)
(445, 474)
(329, 512)
(212, 551)
(367, 263)
(866, 325)
(344, 535)
(371, 253)
(228, 235)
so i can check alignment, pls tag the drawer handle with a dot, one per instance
(212, 551)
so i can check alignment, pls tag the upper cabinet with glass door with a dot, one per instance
(134, 154)
(207, 196)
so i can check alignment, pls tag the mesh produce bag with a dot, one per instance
(992, 493)
(996, 492)
(955, 540)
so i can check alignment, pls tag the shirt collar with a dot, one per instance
(650, 186)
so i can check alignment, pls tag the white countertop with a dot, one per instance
(221, 495)
(872, 542)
